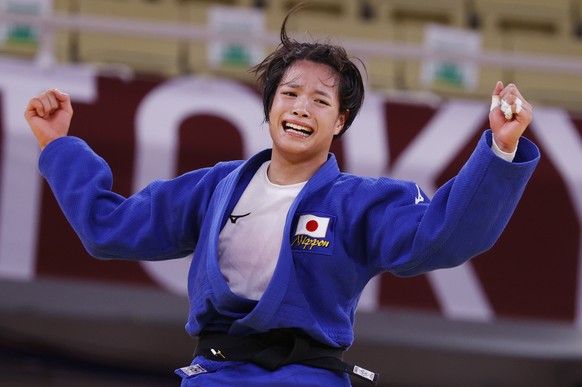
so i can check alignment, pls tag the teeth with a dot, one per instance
(298, 127)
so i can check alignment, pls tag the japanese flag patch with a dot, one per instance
(313, 226)
(314, 234)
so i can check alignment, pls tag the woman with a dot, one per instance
(284, 243)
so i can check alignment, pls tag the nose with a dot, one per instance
(300, 108)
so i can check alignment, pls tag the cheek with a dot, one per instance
(273, 122)
(273, 111)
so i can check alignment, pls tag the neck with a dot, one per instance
(283, 171)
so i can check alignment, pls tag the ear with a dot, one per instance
(341, 120)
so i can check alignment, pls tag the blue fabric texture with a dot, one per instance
(376, 225)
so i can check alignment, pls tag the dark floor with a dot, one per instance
(20, 368)
(78, 335)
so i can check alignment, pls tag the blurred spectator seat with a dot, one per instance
(407, 20)
(66, 41)
(145, 54)
(197, 13)
(544, 87)
(19, 39)
(500, 18)
(535, 27)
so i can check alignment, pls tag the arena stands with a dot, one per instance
(541, 39)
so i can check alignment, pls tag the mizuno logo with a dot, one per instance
(234, 218)
(419, 198)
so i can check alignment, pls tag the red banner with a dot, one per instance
(156, 128)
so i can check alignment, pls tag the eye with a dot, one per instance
(323, 102)
(289, 93)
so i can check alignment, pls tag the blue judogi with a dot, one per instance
(373, 225)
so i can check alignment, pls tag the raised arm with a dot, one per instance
(467, 214)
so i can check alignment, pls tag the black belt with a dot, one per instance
(277, 348)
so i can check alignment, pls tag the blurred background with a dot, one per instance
(160, 87)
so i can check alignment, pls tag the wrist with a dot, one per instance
(507, 153)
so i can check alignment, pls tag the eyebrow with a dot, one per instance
(298, 86)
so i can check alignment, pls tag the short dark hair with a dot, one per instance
(272, 69)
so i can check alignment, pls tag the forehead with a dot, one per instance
(305, 73)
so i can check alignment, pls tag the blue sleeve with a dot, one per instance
(161, 221)
(465, 217)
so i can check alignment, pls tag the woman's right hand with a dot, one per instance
(49, 116)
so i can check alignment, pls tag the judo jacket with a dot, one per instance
(367, 225)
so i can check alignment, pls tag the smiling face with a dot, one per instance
(305, 114)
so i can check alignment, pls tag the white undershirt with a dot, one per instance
(248, 249)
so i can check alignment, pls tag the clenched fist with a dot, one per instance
(49, 116)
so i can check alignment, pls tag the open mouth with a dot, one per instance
(299, 130)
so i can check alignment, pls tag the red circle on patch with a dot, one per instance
(312, 225)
